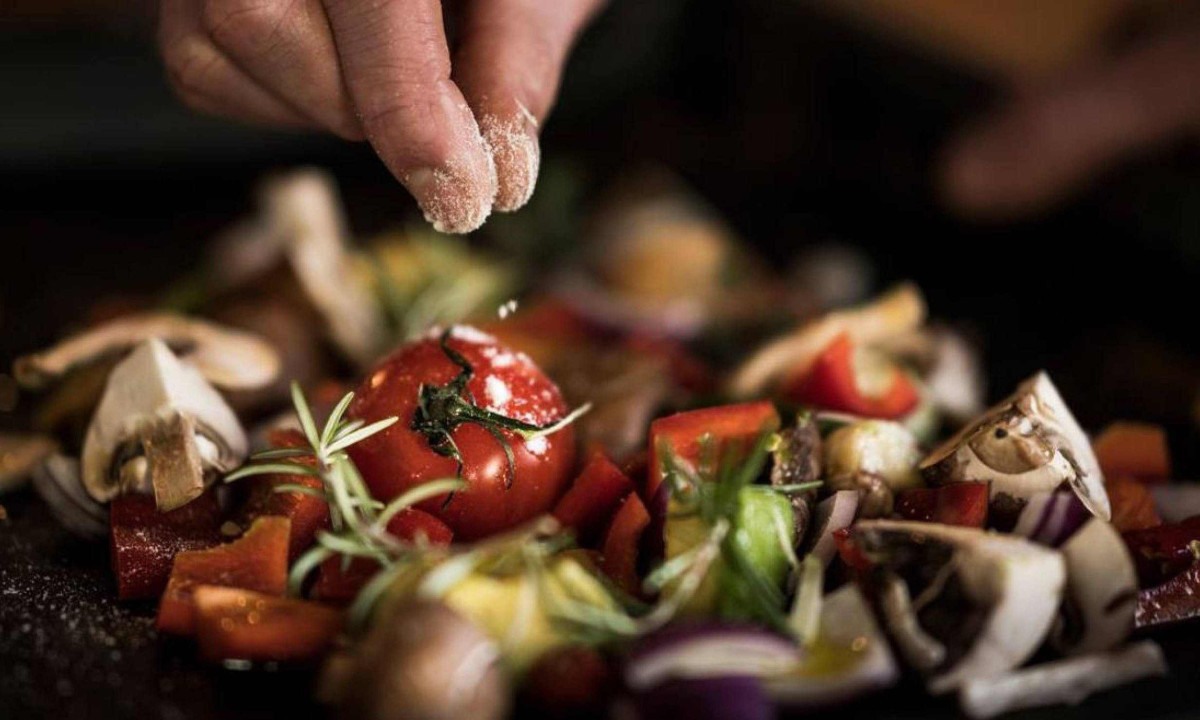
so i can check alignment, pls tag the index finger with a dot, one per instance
(396, 64)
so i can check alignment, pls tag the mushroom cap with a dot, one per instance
(229, 359)
(1028, 443)
(1018, 582)
(898, 311)
(303, 209)
(145, 391)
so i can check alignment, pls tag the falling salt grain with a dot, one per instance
(507, 309)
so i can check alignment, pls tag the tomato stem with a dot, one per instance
(442, 408)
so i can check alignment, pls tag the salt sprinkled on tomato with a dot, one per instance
(499, 494)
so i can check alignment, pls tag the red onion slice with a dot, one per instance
(698, 651)
(1051, 518)
(833, 513)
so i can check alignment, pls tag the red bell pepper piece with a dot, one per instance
(1132, 504)
(308, 514)
(620, 550)
(256, 561)
(849, 551)
(729, 426)
(593, 498)
(232, 623)
(340, 586)
(144, 541)
(835, 383)
(1132, 449)
(1176, 599)
(1163, 552)
(964, 503)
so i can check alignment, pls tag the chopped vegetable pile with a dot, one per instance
(596, 503)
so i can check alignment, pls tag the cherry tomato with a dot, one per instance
(506, 383)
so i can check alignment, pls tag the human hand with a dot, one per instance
(1047, 142)
(461, 136)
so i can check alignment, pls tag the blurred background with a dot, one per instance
(814, 129)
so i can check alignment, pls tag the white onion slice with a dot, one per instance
(833, 513)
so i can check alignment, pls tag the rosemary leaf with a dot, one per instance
(360, 434)
(272, 469)
(335, 419)
(304, 415)
(304, 565)
(281, 453)
(418, 494)
(302, 489)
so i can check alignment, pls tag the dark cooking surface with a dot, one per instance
(69, 651)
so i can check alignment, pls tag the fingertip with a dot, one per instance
(513, 144)
(454, 198)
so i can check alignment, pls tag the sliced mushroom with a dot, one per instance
(898, 311)
(874, 457)
(303, 209)
(159, 427)
(229, 359)
(962, 603)
(1029, 443)
(1063, 682)
(1102, 591)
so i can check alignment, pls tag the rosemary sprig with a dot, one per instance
(359, 521)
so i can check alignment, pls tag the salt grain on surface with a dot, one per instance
(498, 393)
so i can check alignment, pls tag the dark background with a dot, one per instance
(801, 128)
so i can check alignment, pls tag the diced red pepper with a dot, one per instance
(964, 503)
(1174, 600)
(834, 383)
(256, 561)
(1160, 553)
(241, 624)
(144, 541)
(340, 586)
(620, 551)
(1132, 504)
(1137, 450)
(593, 498)
(307, 513)
(729, 426)
(849, 551)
